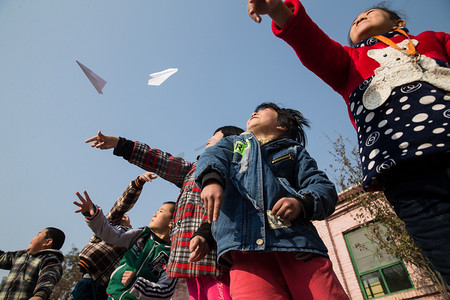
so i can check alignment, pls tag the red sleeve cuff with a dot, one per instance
(298, 9)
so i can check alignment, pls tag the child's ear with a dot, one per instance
(48, 243)
(399, 23)
(282, 128)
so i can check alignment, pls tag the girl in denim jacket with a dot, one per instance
(261, 190)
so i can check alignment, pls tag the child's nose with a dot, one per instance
(360, 20)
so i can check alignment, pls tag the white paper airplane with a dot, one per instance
(159, 77)
(96, 80)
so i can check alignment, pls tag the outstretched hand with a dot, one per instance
(103, 141)
(86, 205)
(256, 8)
(287, 209)
(198, 247)
(149, 176)
(276, 9)
(212, 197)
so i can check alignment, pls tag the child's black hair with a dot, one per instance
(292, 119)
(229, 130)
(172, 210)
(57, 236)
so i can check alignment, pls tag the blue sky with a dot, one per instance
(227, 66)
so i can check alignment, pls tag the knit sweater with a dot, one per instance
(411, 115)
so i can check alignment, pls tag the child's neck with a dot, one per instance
(165, 236)
(265, 138)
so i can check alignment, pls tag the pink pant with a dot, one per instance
(209, 287)
(283, 276)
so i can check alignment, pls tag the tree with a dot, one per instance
(375, 206)
(71, 275)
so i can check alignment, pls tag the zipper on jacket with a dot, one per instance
(141, 266)
(284, 157)
(149, 254)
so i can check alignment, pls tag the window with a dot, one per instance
(378, 275)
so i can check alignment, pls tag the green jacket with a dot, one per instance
(147, 257)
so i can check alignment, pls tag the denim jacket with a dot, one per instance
(255, 177)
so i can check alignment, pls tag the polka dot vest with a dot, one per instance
(413, 122)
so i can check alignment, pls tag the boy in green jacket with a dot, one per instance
(141, 273)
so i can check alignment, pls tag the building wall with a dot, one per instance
(332, 231)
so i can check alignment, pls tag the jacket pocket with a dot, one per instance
(282, 158)
(297, 227)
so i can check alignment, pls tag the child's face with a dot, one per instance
(214, 139)
(263, 122)
(370, 23)
(162, 219)
(38, 243)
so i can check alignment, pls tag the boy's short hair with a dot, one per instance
(292, 119)
(57, 236)
(229, 130)
(172, 209)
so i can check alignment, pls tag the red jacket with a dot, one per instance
(344, 68)
(414, 119)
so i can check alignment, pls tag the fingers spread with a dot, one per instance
(88, 199)
(94, 138)
(80, 197)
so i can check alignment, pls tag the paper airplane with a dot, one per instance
(159, 77)
(96, 80)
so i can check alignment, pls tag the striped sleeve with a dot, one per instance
(165, 165)
(124, 203)
(144, 289)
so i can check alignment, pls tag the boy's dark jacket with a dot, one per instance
(30, 275)
(255, 177)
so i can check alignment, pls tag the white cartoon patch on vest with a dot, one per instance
(398, 68)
